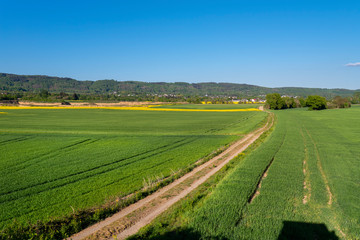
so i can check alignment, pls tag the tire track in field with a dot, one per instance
(47, 155)
(19, 139)
(61, 178)
(82, 194)
(256, 191)
(333, 220)
(306, 172)
(229, 125)
(53, 153)
(182, 143)
(87, 192)
(323, 175)
(123, 178)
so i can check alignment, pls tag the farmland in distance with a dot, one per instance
(301, 183)
(211, 106)
(55, 161)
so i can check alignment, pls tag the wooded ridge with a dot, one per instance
(34, 83)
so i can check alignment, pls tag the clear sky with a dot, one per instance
(267, 43)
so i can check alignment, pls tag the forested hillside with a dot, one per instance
(11, 83)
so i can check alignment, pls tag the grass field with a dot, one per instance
(301, 183)
(55, 161)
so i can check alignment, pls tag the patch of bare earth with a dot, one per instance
(130, 219)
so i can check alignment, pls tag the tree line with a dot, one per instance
(34, 83)
(273, 100)
(314, 102)
(47, 96)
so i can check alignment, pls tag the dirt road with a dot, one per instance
(130, 219)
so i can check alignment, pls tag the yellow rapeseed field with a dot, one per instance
(139, 109)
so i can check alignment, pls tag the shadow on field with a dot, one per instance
(178, 234)
(308, 231)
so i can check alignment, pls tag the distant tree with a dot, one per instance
(62, 94)
(44, 93)
(274, 101)
(356, 98)
(316, 102)
(340, 102)
(289, 102)
(302, 102)
(8, 97)
(75, 96)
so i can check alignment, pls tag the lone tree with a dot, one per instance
(316, 102)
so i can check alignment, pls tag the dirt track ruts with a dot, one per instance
(130, 219)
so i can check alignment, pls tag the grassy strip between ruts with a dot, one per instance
(59, 228)
(169, 225)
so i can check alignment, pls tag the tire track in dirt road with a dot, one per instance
(130, 219)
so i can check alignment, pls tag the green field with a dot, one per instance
(305, 178)
(56, 160)
(210, 106)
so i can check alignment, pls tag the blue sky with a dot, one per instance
(267, 43)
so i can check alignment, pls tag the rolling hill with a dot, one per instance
(11, 83)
